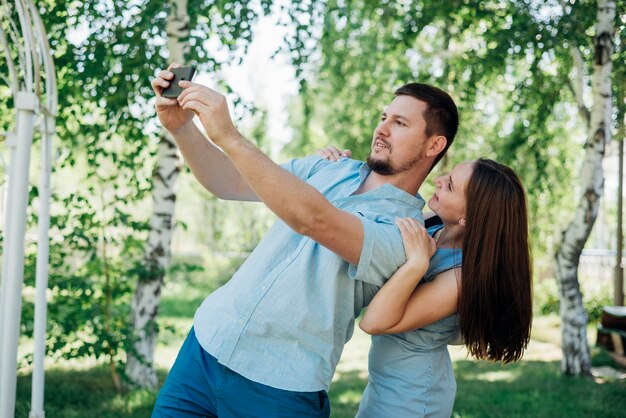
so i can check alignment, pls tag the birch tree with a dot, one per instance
(105, 53)
(576, 358)
(145, 306)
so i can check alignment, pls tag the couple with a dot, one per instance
(266, 344)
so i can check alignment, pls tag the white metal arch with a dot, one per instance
(32, 80)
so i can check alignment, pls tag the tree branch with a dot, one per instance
(578, 87)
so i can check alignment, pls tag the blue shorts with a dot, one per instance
(198, 386)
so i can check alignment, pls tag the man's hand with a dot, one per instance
(212, 109)
(170, 113)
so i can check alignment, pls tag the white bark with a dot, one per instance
(576, 358)
(144, 310)
(579, 73)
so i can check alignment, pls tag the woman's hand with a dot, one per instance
(332, 153)
(387, 310)
(419, 247)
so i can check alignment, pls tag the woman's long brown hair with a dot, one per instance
(495, 304)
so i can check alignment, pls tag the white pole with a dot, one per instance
(12, 145)
(45, 191)
(41, 304)
(26, 104)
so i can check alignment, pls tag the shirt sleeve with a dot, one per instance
(305, 167)
(382, 253)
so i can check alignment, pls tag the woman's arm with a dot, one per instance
(426, 305)
(401, 305)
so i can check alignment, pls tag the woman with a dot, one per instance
(482, 206)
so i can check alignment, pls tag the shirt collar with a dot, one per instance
(392, 192)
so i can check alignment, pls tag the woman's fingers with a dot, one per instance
(324, 154)
(406, 229)
(332, 153)
(413, 233)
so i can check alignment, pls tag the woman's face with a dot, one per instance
(449, 200)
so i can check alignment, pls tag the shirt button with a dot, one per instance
(263, 288)
(241, 322)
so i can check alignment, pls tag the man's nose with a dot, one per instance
(382, 129)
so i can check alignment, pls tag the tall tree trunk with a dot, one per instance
(618, 279)
(145, 307)
(576, 358)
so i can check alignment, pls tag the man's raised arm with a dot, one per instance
(209, 165)
(298, 204)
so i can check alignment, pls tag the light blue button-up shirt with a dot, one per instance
(284, 317)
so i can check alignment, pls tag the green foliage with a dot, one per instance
(596, 295)
(546, 297)
(95, 246)
(507, 64)
(105, 53)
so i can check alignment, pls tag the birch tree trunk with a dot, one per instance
(576, 358)
(145, 306)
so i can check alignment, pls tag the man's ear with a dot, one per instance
(436, 144)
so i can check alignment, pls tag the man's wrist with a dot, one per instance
(230, 141)
(184, 130)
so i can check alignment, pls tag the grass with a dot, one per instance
(84, 393)
(533, 387)
(527, 389)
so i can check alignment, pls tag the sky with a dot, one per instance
(265, 82)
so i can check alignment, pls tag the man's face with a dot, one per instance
(399, 142)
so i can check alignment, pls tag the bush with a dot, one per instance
(596, 295)
(546, 297)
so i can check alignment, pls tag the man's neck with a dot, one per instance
(409, 181)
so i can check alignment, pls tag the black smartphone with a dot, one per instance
(180, 73)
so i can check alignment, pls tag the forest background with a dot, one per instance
(129, 219)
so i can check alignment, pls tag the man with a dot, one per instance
(266, 344)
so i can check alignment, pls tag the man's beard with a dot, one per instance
(385, 168)
(382, 167)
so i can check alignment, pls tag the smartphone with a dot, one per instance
(180, 73)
